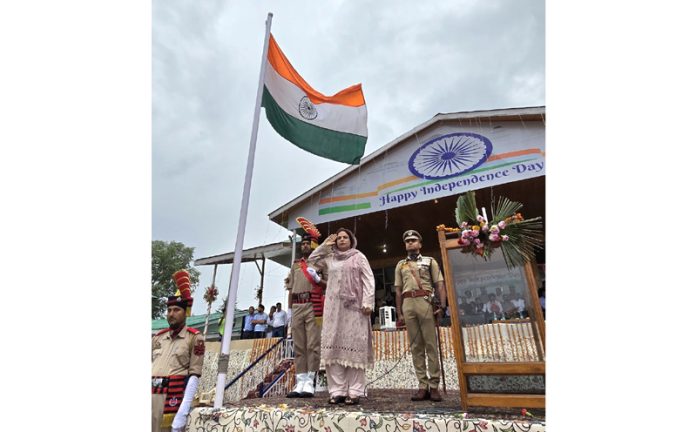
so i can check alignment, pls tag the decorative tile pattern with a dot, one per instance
(393, 368)
(238, 361)
(400, 374)
(281, 419)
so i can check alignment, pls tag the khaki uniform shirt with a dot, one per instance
(298, 282)
(426, 268)
(182, 355)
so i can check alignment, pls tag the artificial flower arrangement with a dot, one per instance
(211, 294)
(516, 237)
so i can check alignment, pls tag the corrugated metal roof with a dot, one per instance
(278, 252)
(197, 321)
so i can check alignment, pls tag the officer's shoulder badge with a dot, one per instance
(193, 330)
(199, 348)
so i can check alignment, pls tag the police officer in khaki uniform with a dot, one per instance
(414, 279)
(177, 364)
(305, 327)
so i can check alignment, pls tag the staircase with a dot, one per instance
(270, 374)
(278, 381)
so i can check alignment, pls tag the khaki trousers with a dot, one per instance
(420, 325)
(306, 336)
(158, 412)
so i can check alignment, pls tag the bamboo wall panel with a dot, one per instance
(500, 342)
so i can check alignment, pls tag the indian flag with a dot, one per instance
(334, 127)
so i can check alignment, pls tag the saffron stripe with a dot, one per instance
(351, 96)
(513, 154)
(347, 197)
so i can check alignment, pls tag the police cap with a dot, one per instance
(412, 234)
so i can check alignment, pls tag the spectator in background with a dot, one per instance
(518, 301)
(279, 321)
(221, 323)
(493, 308)
(468, 303)
(260, 322)
(509, 308)
(499, 295)
(542, 298)
(269, 327)
(479, 303)
(247, 326)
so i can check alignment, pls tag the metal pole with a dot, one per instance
(239, 245)
(263, 270)
(292, 261)
(207, 317)
(439, 349)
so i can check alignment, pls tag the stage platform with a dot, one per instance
(384, 410)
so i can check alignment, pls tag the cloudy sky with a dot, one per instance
(414, 59)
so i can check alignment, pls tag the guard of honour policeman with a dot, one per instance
(306, 289)
(177, 361)
(178, 351)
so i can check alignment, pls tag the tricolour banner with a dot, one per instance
(447, 159)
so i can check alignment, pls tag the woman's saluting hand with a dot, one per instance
(330, 240)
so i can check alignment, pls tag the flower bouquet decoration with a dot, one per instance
(211, 294)
(516, 237)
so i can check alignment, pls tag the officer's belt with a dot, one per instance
(172, 387)
(168, 384)
(304, 297)
(416, 293)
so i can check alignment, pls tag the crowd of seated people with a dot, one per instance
(489, 307)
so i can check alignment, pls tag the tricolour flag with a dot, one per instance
(334, 127)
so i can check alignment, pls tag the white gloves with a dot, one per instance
(314, 274)
(180, 418)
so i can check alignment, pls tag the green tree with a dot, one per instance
(167, 258)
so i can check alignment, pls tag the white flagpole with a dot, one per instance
(239, 246)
